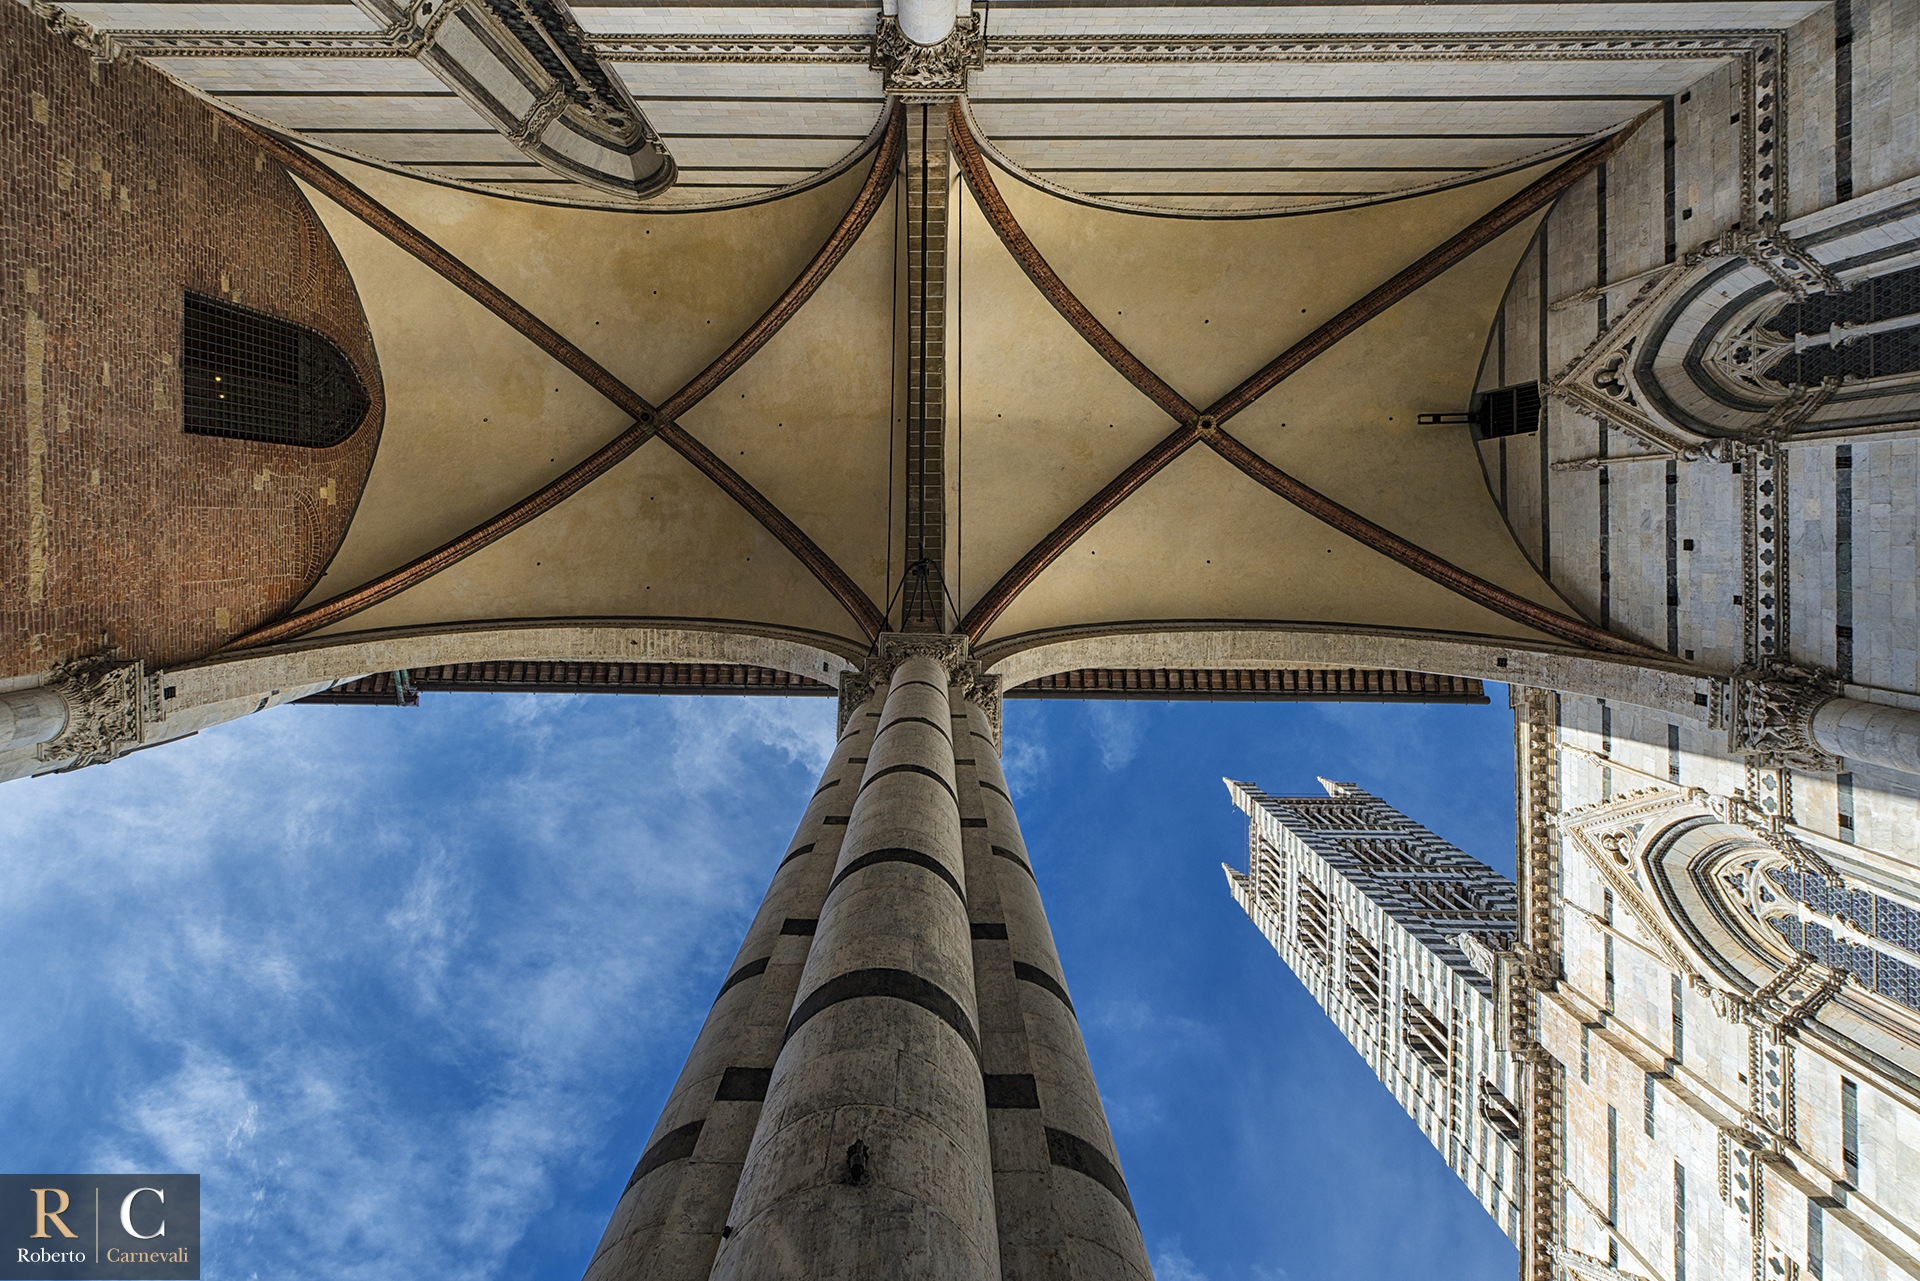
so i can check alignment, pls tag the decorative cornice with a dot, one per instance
(929, 72)
(1770, 716)
(403, 39)
(103, 47)
(109, 704)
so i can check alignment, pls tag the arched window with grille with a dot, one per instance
(251, 376)
(1870, 936)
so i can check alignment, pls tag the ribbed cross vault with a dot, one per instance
(865, 430)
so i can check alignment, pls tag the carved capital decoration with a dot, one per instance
(950, 650)
(1770, 716)
(983, 691)
(929, 72)
(108, 706)
(101, 47)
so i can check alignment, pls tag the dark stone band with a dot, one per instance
(1011, 1090)
(877, 775)
(674, 1145)
(1001, 851)
(1040, 978)
(898, 984)
(752, 969)
(898, 855)
(743, 1085)
(1071, 1152)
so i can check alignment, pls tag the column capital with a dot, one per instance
(983, 692)
(1771, 715)
(929, 72)
(949, 649)
(108, 706)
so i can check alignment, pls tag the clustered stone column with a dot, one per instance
(892, 1082)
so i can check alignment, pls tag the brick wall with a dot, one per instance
(117, 529)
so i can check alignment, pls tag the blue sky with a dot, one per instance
(408, 988)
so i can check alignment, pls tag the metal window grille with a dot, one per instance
(1649, 1105)
(1607, 947)
(251, 376)
(1874, 356)
(1510, 411)
(1613, 1185)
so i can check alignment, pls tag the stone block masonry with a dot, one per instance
(118, 530)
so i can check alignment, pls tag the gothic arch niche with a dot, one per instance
(1751, 352)
(1745, 910)
(1765, 334)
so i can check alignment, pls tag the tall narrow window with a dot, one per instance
(1850, 1131)
(252, 376)
(1679, 1022)
(1613, 1186)
(1680, 1222)
(1607, 945)
(1649, 1104)
(1606, 942)
(1606, 739)
(1816, 1242)
(1586, 1053)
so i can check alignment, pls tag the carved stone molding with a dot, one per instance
(950, 650)
(1771, 715)
(1791, 267)
(929, 72)
(1784, 1003)
(1528, 965)
(109, 703)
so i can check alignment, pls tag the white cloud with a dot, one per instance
(1172, 1264)
(383, 978)
(1117, 730)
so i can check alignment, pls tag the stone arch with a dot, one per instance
(1716, 884)
(1748, 349)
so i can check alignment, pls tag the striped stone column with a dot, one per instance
(1061, 1204)
(872, 1155)
(668, 1223)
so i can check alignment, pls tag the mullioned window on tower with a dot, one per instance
(251, 376)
